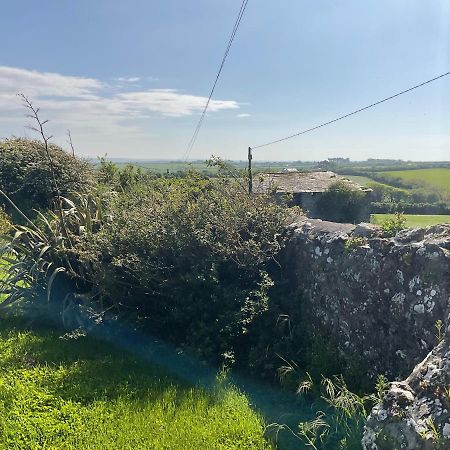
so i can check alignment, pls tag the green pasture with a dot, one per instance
(436, 178)
(359, 179)
(413, 220)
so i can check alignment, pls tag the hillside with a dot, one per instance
(436, 178)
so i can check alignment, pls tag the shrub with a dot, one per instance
(354, 242)
(187, 259)
(392, 225)
(111, 176)
(190, 256)
(25, 173)
(342, 203)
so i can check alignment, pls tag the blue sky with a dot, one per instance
(129, 78)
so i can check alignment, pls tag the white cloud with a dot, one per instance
(91, 107)
(62, 92)
(170, 102)
(128, 79)
(243, 115)
(39, 84)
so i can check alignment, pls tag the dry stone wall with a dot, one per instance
(379, 299)
(415, 413)
(384, 302)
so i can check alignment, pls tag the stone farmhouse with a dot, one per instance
(306, 188)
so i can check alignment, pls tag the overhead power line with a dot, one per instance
(230, 42)
(351, 113)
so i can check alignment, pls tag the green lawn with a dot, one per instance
(413, 220)
(437, 178)
(79, 394)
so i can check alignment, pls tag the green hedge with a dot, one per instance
(189, 259)
(409, 208)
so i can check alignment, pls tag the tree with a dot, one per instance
(342, 203)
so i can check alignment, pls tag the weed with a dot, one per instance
(353, 243)
(430, 432)
(439, 330)
(392, 225)
(339, 424)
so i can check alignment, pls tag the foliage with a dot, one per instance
(354, 242)
(431, 433)
(43, 259)
(191, 257)
(5, 223)
(188, 259)
(391, 194)
(439, 208)
(440, 331)
(422, 189)
(342, 203)
(341, 423)
(121, 179)
(83, 394)
(26, 173)
(338, 413)
(392, 225)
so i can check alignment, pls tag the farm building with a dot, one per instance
(307, 188)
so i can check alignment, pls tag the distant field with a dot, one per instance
(366, 181)
(438, 178)
(359, 179)
(171, 166)
(413, 220)
(201, 166)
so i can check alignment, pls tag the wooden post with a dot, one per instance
(250, 178)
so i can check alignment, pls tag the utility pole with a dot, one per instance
(250, 179)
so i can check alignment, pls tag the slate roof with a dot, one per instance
(300, 182)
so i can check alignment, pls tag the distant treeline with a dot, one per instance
(364, 167)
(410, 208)
(340, 165)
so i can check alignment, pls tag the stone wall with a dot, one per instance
(378, 299)
(415, 413)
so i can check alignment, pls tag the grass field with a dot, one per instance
(437, 178)
(80, 394)
(359, 179)
(413, 220)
